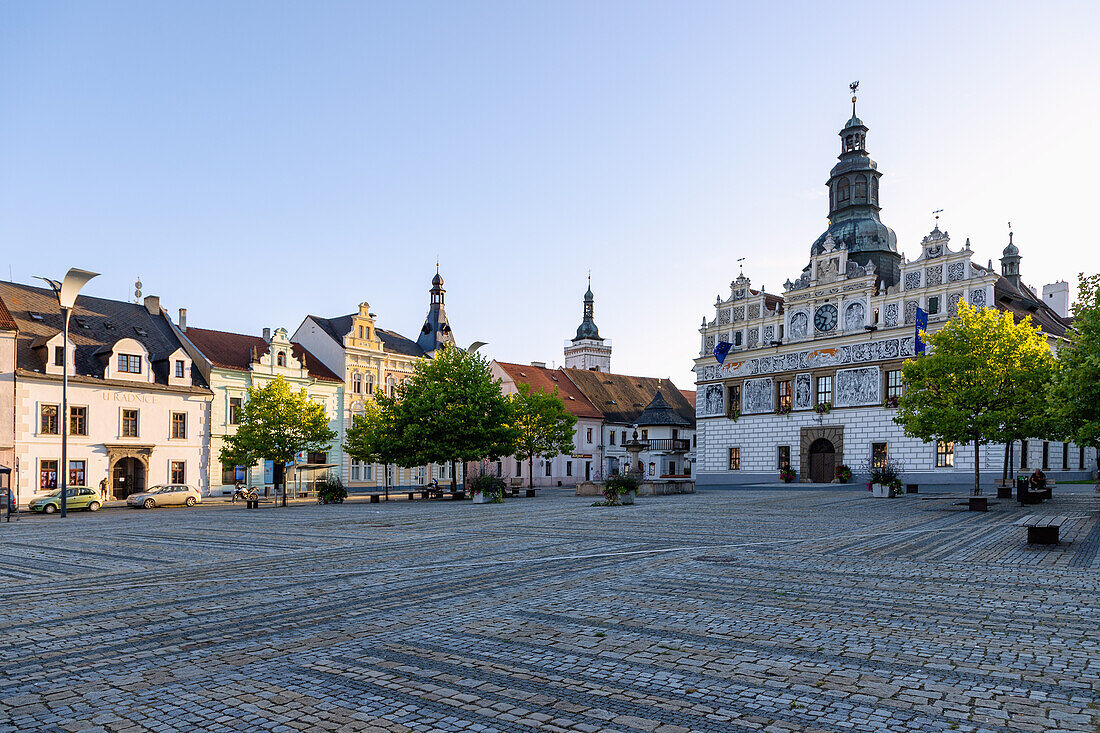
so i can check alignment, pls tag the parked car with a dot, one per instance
(76, 497)
(165, 495)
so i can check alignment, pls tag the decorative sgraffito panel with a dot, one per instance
(739, 313)
(912, 280)
(953, 304)
(754, 310)
(911, 311)
(935, 275)
(955, 272)
(723, 316)
(803, 398)
(769, 334)
(713, 403)
(800, 323)
(854, 316)
(825, 356)
(709, 347)
(892, 314)
(977, 298)
(859, 386)
(754, 337)
(757, 396)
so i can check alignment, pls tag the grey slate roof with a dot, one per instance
(95, 326)
(393, 342)
(659, 412)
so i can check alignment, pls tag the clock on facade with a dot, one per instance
(825, 318)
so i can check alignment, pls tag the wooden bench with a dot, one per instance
(1043, 529)
(528, 492)
(978, 504)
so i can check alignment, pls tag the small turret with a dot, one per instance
(1010, 262)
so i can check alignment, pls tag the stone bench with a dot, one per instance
(1043, 529)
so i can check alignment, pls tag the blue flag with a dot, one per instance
(922, 325)
(721, 350)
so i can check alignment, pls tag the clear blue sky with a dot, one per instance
(255, 162)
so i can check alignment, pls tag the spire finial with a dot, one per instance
(1010, 232)
(936, 214)
(854, 86)
(740, 267)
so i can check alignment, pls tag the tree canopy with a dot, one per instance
(276, 424)
(984, 380)
(542, 425)
(1075, 389)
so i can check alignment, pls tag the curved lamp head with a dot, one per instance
(69, 288)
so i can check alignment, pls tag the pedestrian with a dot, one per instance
(1038, 480)
(103, 485)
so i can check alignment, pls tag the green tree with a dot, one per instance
(1075, 389)
(985, 378)
(542, 426)
(450, 410)
(372, 437)
(276, 424)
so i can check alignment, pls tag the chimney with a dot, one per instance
(152, 304)
(267, 335)
(1056, 295)
(539, 364)
(183, 320)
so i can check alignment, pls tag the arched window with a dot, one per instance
(357, 383)
(842, 193)
(391, 388)
(280, 358)
(874, 191)
(370, 384)
(861, 188)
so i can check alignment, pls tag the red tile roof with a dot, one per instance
(7, 323)
(689, 395)
(546, 380)
(238, 351)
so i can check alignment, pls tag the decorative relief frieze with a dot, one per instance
(818, 358)
(754, 310)
(713, 403)
(911, 311)
(953, 304)
(757, 396)
(955, 272)
(977, 298)
(854, 316)
(935, 275)
(859, 386)
(912, 280)
(754, 337)
(800, 323)
(723, 316)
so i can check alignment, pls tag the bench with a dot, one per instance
(1026, 495)
(1042, 529)
(978, 504)
(528, 492)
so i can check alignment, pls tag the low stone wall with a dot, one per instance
(589, 488)
(664, 488)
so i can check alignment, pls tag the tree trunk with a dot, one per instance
(454, 478)
(1004, 477)
(531, 471)
(278, 476)
(977, 471)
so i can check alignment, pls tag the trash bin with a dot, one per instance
(1021, 490)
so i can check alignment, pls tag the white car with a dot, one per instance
(165, 495)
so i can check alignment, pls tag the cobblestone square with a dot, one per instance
(720, 611)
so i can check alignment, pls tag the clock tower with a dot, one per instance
(588, 350)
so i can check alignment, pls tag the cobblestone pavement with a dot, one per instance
(719, 611)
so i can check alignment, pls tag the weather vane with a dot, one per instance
(854, 86)
(740, 267)
(936, 214)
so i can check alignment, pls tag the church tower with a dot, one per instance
(588, 350)
(436, 331)
(1010, 262)
(854, 205)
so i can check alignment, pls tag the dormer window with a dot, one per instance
(842, 192)
(59, 356)
(81, 322)
(36, 316)
(129, 363)
(861, 187)
(280, 359)
(179, 368)
(140, 331)
(109, 326)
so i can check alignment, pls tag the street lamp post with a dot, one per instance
(66, 292)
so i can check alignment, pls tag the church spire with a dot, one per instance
(436, 330)
(588, 350)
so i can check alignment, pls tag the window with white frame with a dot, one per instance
(177, 472)
(48, 424)
(945, 454)
(129, 363)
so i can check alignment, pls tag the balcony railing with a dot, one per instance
(675, 445)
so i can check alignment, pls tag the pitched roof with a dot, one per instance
(659, 412)
(238, 351)
(393, 342)
(689, 395)
(1022, 302)
(96, 324)
(546, 380)
(7, 323)
(622, 398)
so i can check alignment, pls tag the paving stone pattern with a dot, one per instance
(720, 611)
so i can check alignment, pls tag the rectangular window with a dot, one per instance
(234, 410)
(784, 457)
(47, 475)
(129, 363)
(737, 339)
(48, 423)
(588, 436)
(129, 423)
(179, 368)
(824, 390)
(933, 305)
(368, 472)
(78, 421)
(59, 356)
(229, 473)
(733, 399)
(1065, 456)
(783, 392)
(176, 472)
(624, 437)
(1046, 455)
(500, 468)
(1023, 454)
(179, 424)
(735, 459)
(611, 437)
(1080, 456)
(893, 384)
(548, 466)
(945, 454)
(645, 435)
(878, 455)
(315, 457)
(519, 468)
(77, 474)
(652, 469)
(355, 470)
(569, 468)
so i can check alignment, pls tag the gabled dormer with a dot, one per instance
(52, 350)
(279, 357)
(128, 360)
(179, 369)
(363, 334)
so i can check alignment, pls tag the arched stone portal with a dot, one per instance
(821, 450)
(128, 468)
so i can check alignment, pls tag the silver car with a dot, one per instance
(165, 495)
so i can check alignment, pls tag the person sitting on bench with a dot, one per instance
(1038, 480)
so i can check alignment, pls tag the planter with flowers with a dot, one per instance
(786, 475)
(891, 402)
(843, 474)
(824, 408)
(885, 479)
(734, 414)
(487, 489)
(783, 410)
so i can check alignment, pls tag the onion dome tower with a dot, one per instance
(1010, 262)
(854, 205)
(436, 330)
(588, 350)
